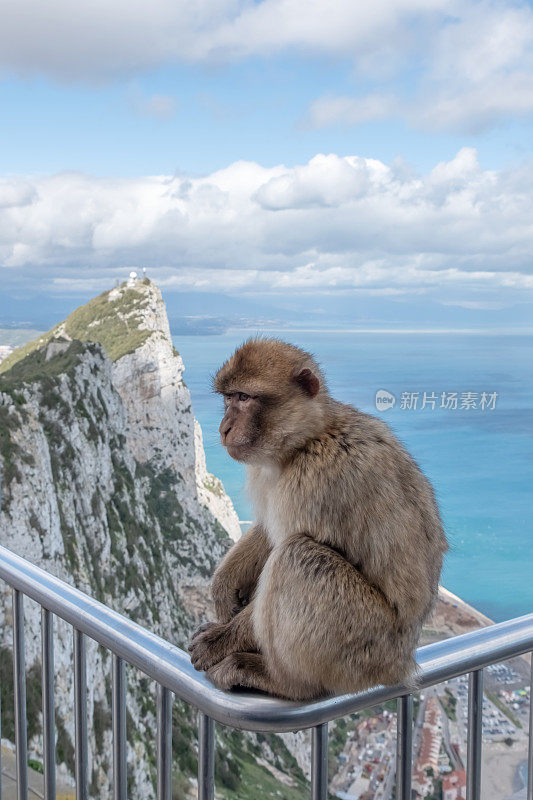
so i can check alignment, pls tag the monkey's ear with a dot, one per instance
(307, 381)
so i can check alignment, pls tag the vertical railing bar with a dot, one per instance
(475, 730)
(164, 743)
(80, 715)
(120, 775)
(530, 747)
(19, 680)
(49, 741)
(206, 757)
(404, 747)
(319, 762)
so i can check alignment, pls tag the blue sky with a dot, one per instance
(279, 149)
(256, 109)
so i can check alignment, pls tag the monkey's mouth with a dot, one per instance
(238, 450)
(237, 445)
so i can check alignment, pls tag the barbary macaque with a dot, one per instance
(328, 591)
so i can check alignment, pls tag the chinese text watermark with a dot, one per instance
(451, 401)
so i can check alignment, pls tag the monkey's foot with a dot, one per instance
(210, 644)
(241, 669)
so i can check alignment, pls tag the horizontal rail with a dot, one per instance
(171, 666)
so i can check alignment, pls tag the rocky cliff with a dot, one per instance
(105, 485)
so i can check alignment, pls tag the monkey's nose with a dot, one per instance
(224, 429)
(225, 435)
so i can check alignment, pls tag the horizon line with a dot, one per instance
(507, 331)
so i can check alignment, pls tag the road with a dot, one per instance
(418, 724)
(452, 755)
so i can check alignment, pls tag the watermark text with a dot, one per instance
(450, 401)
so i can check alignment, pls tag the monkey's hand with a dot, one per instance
(210, 643)
(228, 599)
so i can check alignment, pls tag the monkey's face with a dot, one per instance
(241, 425)
(272, 401)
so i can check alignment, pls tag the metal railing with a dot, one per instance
(171, 668)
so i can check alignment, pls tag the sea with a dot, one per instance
(462, 404)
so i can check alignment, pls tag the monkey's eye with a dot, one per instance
(242, 396)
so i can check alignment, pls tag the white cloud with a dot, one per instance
(482, 69)
(16, 192)
(98, 39)
(338, 27)
(335, 223)
(468, 63)
(324, 181)
(478, 70)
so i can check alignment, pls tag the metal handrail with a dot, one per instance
(171, 667)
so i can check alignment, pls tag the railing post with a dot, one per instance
(475, 730)
(404, 747)
(80, 715)
(120, 775)
(19, 682)
(206, 757)
(47, 680)
(530, 749)
(164, 743)
(319, 762)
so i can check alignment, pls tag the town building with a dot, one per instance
(427, 763)
(454, 785)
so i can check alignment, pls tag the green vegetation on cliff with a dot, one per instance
(114, 323)
(112, 319)
(34, 366)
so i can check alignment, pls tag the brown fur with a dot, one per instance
(328, 592)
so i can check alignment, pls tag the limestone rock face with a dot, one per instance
(211, 491)
(104, 484)
(161, 428)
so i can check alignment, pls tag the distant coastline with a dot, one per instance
(445, 331)
(220, 326)
(13, 337)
